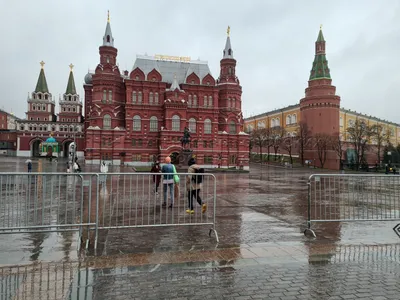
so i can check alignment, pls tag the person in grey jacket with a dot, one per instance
(193, 188)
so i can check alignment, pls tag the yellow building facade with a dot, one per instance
(288, 118)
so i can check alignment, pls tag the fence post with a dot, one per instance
(309, 231)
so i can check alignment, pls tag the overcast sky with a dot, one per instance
(273, 42)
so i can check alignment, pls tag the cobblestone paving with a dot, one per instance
(291, 280)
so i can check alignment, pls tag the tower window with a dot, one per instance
(140, 97)
(107, 122)
(133, 97)
(210, 101)
(153, 124)
(104, 96)
(108, 38)
(110, 95)
(176, 123)
(156, 98)
(230, 68)
(151, 98)
(137, 123)
(69, 98)
(229, 52)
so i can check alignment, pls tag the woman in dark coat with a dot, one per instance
(156, 178)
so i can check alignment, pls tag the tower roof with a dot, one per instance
(320, 69)
(228, 52)
(71, 82)
(108, 39)
(41, 85)
(320, 36)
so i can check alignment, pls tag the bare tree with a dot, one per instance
(288, 144)
(258, 138)
(379, 137)
(359, 134)
(323, 143)
(304, 139)
(337, 146)
(276, 136)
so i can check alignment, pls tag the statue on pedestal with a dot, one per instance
(186, 138)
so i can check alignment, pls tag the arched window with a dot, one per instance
(104, 96)
(288, 119)
(134, 97)
(153, 124)
(233, 102)
(207, 126)
(107, 122)
(294, 119)
(44, 107)
(261, 124)
(33, 107)
(272, 122)
(194, 100)
(137, 123)
(176, 123)
(205, 101)
(228, 103)
(230, 68)
(232, 127)
(190, 100)
(140, 97)
(151, 98)
(156, 98)
(192, 124)
(108, 38)
(210, 101)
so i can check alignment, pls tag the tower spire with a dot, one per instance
(320, 69)
(108, 39)
(228, 52)
(71, 82)
(41, 85)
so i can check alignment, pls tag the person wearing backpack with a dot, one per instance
(194, 184)
(168, 181)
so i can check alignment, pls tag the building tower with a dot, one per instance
(40, 103)
(230, 92)
(70, 104)
(105, 104)
(230, 119)
(319, 109)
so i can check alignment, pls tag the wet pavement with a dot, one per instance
(262, 254)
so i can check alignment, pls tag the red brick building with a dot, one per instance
(41, 120)
(8, 134)
(137, 117)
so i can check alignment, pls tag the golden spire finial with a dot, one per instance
(42, 64)
(108, 16)
(228, 31)
(71, 66)
(320, 27)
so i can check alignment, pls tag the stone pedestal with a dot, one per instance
(184, 157)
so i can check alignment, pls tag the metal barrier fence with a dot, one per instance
(42, 202)
(132, 200)
(352, 198)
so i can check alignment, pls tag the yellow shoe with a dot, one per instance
(190, 211)
(204, 208)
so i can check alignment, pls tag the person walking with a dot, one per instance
(194, 185)
(168, 181)
(29, 167)
(156, 178)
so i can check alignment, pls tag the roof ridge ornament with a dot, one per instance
(42, 63)
(71, 66)
(228, 31)
(108, 16)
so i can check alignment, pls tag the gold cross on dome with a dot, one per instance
(71, 66)
(228, 31)
(42, 63)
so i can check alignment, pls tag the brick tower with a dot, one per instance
(230, 119)
(105, 105)
(40, 104)
(319, 109)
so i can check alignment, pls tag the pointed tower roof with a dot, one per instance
(228, 52)
(71, 82)
(108, 39)
(41, 85)
(320, 69)
(174, 85)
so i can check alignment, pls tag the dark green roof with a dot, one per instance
(320, 68)
(41, 85)
(320, 36)
(71, 84)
